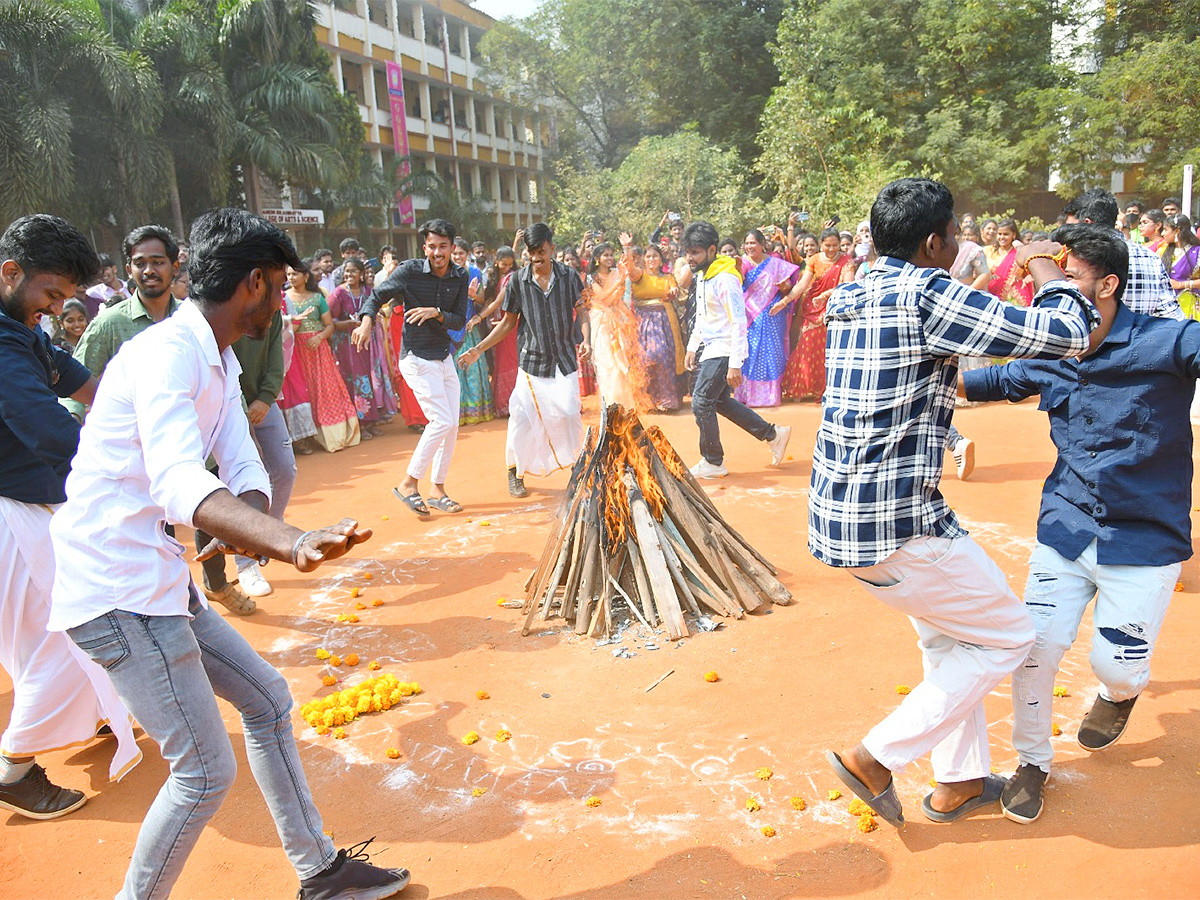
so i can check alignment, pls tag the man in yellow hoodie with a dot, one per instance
(717, 348)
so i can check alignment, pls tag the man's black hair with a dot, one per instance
(50, 245)
(440, 227)
(1141, 205)
(388, 248)
(1097, 205)
(227, 245)
(105, 260)
(1099, 246)
(699, 236)
(537, 234)
(322, 251)
(1172, 200)
(906, 212)
(348, 245)
(479, 244)
(149, 233)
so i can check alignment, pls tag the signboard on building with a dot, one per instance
(404, 212)
(294, 216)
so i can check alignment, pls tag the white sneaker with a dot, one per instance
(964, 457)
(705, 469)
(252, 581)
(783, 433)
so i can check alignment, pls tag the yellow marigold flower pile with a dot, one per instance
(344, 706)
(859, 808)
(711, 677)
(866, 824)
(752, 804)
(835, 794)
(797, 802)
(763, 773)
(1060, 691)
(503, 735)
(767, 831)
(377, 602)
(352, 659)
(478, 792)
(470, 738)
(322, 653)
(482, 695)
(903, 689)
(593, 802)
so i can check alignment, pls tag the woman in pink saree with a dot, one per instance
(764, 279)
(1008, 282)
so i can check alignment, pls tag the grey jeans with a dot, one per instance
(169, 671)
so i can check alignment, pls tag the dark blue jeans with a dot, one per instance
(711, 396)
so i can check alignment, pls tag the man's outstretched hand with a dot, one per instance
(328, 543)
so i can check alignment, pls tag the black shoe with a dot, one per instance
(350, 877)
(1021, 799)
(36, 798)
(1104, 723)
(516, 484)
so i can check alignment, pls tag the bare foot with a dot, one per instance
(867, 769)
(953, 794)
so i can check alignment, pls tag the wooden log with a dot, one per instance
(745, 594)
(643, 584)
(723, 602)
(587, 579)
(662, 587)
(764, 579)
(578, 548)
(676, 569)
(731, 533)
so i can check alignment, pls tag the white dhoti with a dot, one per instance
(545, 423)
(60, 697)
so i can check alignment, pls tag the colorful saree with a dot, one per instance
(366, 372)
(475, 396)
(767, 335)
(410, 408)
(313, 378)
(660, 337)
(1187, 268)
(616, 352)
(805, 374)
(1008, 283)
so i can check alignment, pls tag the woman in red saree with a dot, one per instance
(1008, 282)
(823, 272)
(504, 354)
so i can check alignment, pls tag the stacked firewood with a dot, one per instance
(637, 529)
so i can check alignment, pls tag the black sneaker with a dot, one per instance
(351, 877)
(1021, 798)
(36, 798)
(1104, 723)
(516, 484)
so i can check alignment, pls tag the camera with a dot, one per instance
(674, 217)
(801, 215)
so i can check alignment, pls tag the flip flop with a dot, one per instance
(993, 785)
(445, 504)
(886, 804)
(413, 501)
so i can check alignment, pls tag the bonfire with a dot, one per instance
(637, 529)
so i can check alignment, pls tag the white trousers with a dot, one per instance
(972, 630)
(1131, 603)
(437, 388)
(60, 697)
(545, 423)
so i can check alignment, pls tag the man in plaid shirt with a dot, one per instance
(874, 505)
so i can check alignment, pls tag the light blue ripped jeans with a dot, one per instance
(1131, 602)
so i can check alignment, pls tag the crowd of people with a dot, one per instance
(242, 353)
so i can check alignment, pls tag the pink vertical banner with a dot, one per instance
(405, 214)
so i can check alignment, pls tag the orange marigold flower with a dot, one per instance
(835, 794)
(482, 695)
(373, 665)
(763, 773)
(360, 605)
(711, 677)
(903, 689)
(503, 735)
(352, 659)
(859, 808)
(335, 660)
(342, 617)
(322, 730)
(377, 602)
(767, 831)
(593, 802)
(752, 804)
(866, 824)
(339, 733)
(470, 738)
(393, 753)
(797, 802)
(368, 576)
(1054, 729)
(328, 680)
(1178, 587)
(354, 592)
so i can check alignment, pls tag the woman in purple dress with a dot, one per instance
(365, 371)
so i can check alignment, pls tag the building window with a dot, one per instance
(352, 81)
(433, 34)
(480, 117)
(461, 117)
(379, 12)
(533, 190)
(412, 98)
(505, 188)
(382, 100)
(404, 15)
(439, 100)
(454, 37)
(485, 184)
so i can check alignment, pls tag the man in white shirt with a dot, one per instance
(719, 337)
(122, 589)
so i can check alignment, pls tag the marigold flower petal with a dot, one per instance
(339, 733)
(767, 831)
(335, 660)
(377, 602)
(1055, 729)
(393, 753)
(470, 738)
(373, 665)
(368, 576)
(797, 802)
(903, 689)
(763, 773)
(482, 695)
(1060, 691)
(866, 824)
(478, 792)
(328, 680)
(835, 794)
(354, 592)
(360, 605)
(593, 802)
(352, 659)
(711, 677)
(752, 804)
(322, 653)
(859, 808)
(503, 735)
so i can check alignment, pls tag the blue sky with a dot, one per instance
(498, 9)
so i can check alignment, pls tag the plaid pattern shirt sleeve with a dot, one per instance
(891, 362)
(1149, 289)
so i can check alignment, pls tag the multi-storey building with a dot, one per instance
(483, 143)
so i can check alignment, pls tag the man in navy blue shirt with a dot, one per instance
(58, 697)
(1114, 522)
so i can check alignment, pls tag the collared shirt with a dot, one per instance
(38, 438)
(261, 362)
(327, 284)
(412, 284)
(549, 327)
(161, 410)
(1149, 289)
(891, 362)
(1119, 418)
(720, 318)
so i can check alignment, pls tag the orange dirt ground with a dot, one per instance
(672, 767)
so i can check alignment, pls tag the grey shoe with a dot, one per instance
(35, 797)
(1022, 796)
(1104, 723)
(351, 877)
(516, 484)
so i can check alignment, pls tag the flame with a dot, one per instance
(666, 452)
(624, 450)
(616, 325)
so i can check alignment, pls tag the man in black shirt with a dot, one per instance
(433, 293)
(545, 421)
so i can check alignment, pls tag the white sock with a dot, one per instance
(12, 772)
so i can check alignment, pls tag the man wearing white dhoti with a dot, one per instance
(545, 421)
(60, 697)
